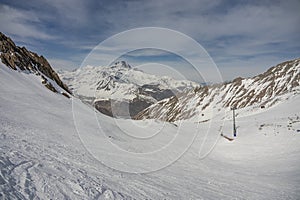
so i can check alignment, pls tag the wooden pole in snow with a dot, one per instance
(234, 127)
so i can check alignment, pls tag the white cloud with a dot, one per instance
(239, 36)
(20, 23)
(69, 13)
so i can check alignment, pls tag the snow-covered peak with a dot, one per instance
(123, 83)
(118, 81)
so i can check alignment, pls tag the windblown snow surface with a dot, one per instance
(50, 148)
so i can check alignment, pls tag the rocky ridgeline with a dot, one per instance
(19, 58)
(262, 91)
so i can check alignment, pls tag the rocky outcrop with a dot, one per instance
(19, 58)
(121, 109)
(131, 107)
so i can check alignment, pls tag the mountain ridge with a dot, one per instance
(21, 59)
(261, 90)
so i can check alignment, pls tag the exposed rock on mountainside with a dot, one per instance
(120, 90)
(124, 109)
(262, 90)
(19, 58)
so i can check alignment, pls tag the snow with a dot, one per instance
(264, 90)
(123, 81)
(51, 148)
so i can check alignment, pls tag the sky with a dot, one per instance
(244, 38)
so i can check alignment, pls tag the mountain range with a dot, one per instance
(120, 90)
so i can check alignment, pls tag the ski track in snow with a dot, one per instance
(42, 157)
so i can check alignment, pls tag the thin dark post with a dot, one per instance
(234, 127)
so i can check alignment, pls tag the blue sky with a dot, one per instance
(244, 38)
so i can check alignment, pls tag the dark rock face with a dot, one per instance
(104, 106)
(137, 105)
(121, 109)
(20, 58)
(155, 92)
(129, 109)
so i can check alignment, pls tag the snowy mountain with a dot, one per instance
(43, 156)
(200, 104)
(22, 60)
(129, 90)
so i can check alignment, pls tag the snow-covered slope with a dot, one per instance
(120, 82)
(200, 104)
(43, 157)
